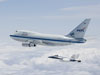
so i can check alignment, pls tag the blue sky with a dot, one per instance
(47, 16)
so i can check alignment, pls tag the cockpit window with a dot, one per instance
(21, 33)
(24, 34)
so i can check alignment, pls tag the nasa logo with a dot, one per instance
(84, 23)
(81, 30)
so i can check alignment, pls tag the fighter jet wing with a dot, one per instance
(56, 57)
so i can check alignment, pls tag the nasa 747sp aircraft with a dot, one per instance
(31, 39)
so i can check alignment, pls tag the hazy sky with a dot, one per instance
(47, 16)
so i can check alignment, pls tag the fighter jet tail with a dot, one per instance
(74, 57)
(80, 30)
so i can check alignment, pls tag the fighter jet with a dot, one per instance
(73, 58)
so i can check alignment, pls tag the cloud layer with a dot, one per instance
(15, 60)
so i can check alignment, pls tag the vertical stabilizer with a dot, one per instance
(80, 30)
(74, 57)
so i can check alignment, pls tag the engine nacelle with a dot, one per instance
(28, 45)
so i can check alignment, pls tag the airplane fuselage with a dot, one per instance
(43, 39)
(29, 39)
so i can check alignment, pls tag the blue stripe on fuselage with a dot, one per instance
(36, 38)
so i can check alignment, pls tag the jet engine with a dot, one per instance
(28, 44)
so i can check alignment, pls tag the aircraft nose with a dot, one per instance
(11, 35)
(50, 57)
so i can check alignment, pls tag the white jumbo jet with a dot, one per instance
(31, 39)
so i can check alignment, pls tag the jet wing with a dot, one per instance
(56, 57)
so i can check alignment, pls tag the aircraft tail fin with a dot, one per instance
(80, 30)
(74, 57)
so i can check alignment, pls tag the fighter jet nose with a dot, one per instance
(49, 57)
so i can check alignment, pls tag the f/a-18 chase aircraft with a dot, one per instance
(73, 58)
(32, 39)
